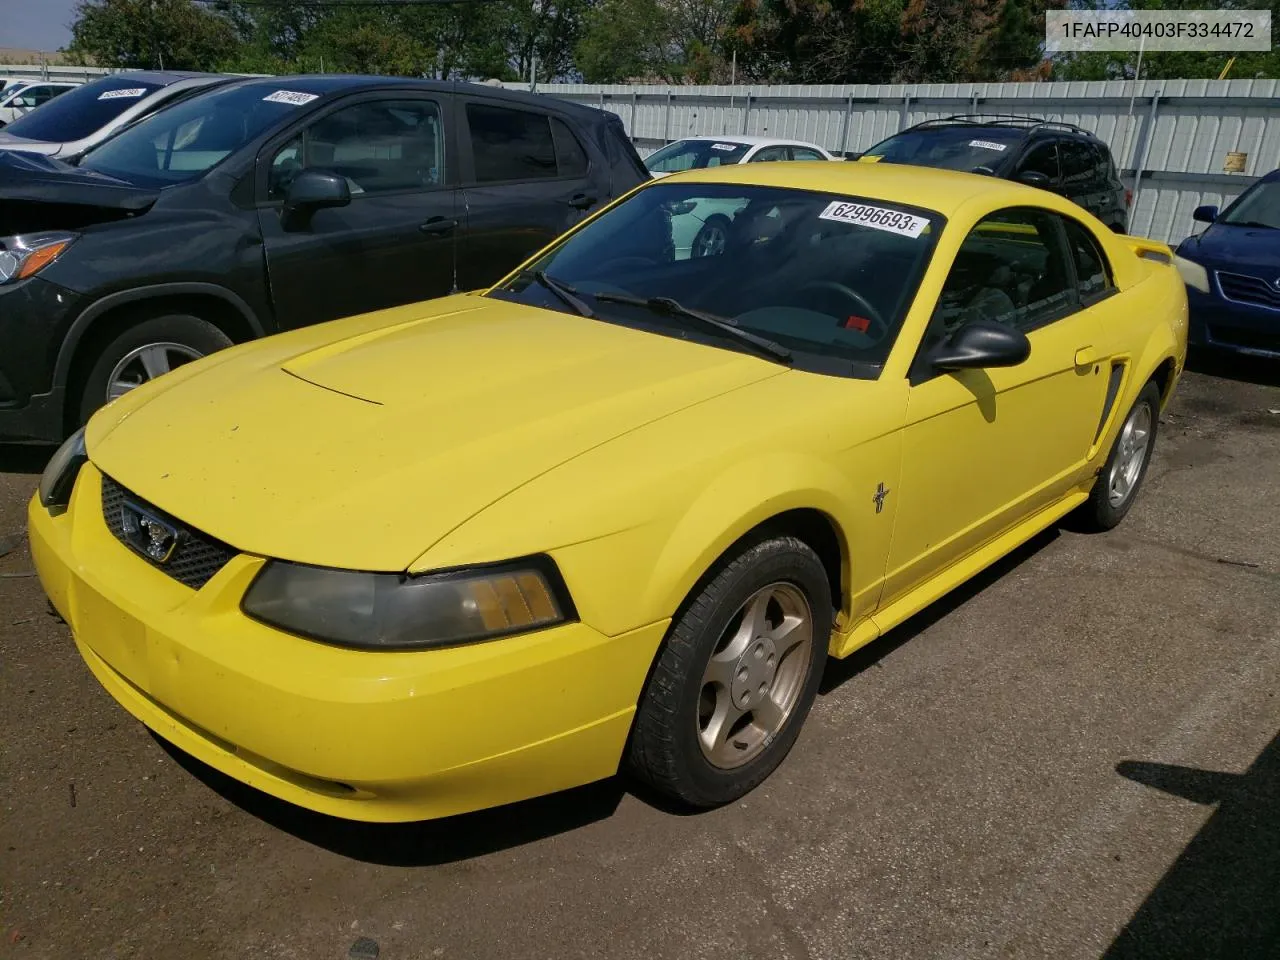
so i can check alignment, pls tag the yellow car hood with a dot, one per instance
(388, 431)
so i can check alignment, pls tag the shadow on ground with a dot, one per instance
(24, 458)
(1230, 366)
(1221, 897)
(425, 843)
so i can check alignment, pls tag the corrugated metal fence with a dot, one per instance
(1170, 137)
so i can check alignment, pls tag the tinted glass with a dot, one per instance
(828, 277)
(510, 144)
(1093, 274)
(571, 159)
(1078, 162)
(180, 143)
(1101, 163)
(1009, 269)
(804, 153)
(1258, 206)
(951, 148)
(380, 145)
(690, 154)
(1041, 158)
(82, 111)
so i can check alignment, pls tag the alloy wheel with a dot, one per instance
(146, 363)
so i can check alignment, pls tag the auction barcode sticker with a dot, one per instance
(878, 218)
(128, 93)
(291, 97)
(986, 145)
(724, 146)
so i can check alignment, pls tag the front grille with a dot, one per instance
(1246, 289)
(197, 556)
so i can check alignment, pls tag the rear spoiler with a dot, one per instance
(1150, 249)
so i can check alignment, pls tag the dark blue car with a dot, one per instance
(1233, 277)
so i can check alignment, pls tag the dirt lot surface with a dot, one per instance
(1074, 756)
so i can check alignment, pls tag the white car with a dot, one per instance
(23, 97)
(693, 152)
(92, 112)
(703, 229)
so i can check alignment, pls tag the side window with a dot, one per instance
(1077, 164)
(379, 146)
(510, 144)
(571, 159)
(1041, 158)
(1009, 269)
(770, 155)
(1093, 273)
(804, 153)
(1101, 163)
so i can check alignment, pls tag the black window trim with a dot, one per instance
(265, 153)
(920, 372)
(467, 165)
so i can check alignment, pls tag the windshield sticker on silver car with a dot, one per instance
(128, 93)
(877, 218)
(292, 97)
(724, 146)
(988, 145)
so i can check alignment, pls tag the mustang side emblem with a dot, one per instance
(148, 535)
(881, 492)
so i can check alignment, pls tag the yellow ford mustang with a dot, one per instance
(617, 510)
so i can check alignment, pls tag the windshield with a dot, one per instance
(1261, 205)
(82, 111)
(688, 154)
(828, 278)
(951, 148)
(185, 140)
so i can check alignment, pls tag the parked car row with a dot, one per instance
(20, 97)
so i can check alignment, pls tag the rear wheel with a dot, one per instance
(145, 351)
(711, 237)
(1117, 485)
(735, 677)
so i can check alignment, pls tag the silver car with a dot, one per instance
(79, 119)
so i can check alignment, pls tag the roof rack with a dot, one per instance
(1002, 119)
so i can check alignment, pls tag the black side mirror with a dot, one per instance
(1205, 214)
(853, 154)
(310, 191)
(981, 343)
(1034, 178)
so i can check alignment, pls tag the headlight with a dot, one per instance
(26, 254)
(59, 477)
(1193, 274)
(389, 611)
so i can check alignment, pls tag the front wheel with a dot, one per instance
(143, 352)
(1117, 485)
(736, 676)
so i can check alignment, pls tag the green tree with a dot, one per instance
(673, 40)
(170, 34)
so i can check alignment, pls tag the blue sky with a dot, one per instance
(35, 24)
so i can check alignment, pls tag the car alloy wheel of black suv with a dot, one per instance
(1060, 157)
(271, 203)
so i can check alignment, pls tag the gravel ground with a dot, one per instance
(1076, 755)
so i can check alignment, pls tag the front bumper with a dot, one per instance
(34, 318)
(1222, 324)
(363, 735)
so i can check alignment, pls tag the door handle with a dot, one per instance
(437, 225)
(581, 201)
(1086, 357)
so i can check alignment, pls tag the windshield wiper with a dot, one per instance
(672, 308)
(565, 293)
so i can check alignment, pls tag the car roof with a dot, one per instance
(931, 188)
(753, 140)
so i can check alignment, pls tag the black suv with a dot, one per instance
(1055, 156)
(267, 204)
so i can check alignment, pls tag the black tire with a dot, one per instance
(664, 752)
(1099, 513)
(717, 223)
(192, 333)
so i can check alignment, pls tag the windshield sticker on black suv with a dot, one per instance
(291, 97)
(128, 93)
(877, 218)
(987, 145)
